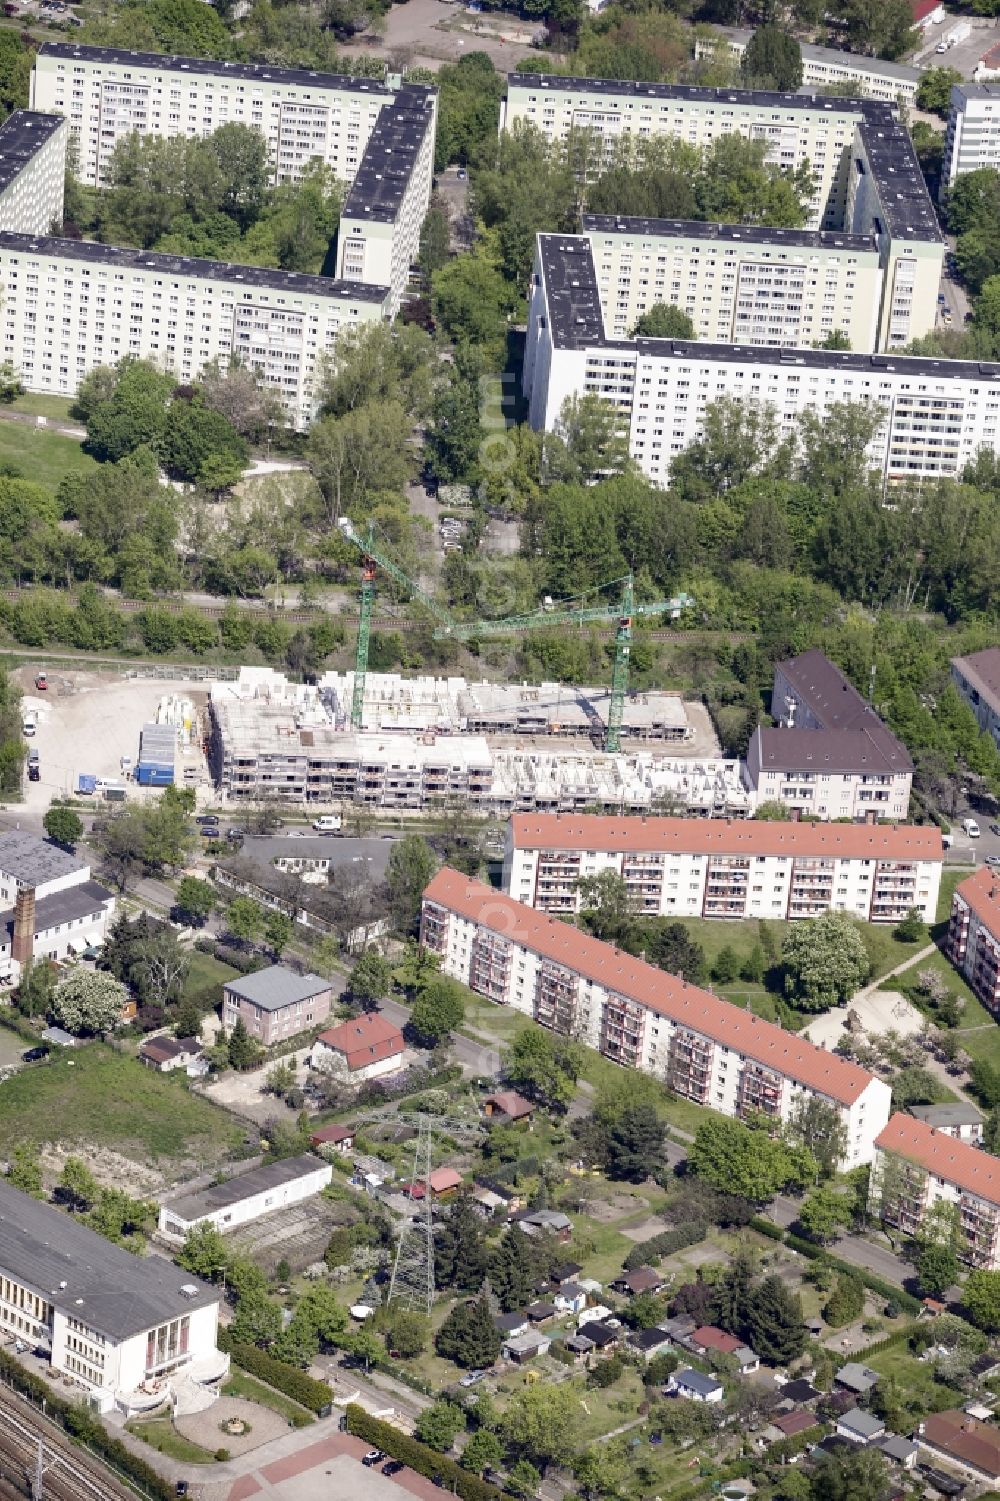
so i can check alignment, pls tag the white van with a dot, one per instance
(971, 827)
(329, 823)
(29, 722)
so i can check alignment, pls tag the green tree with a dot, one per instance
(937, 1270)
(934, 90)
(484, 1451)
(774, 1325)
(825, 1213)
(196, 899)
(243, 1051)
(664, 321)
(523, 1479)
(78, 1188)
(437, 1011)
(89, 1002)
(199, 445)
(542, 1424)
(469, 1336)
(852, 1475)
(607, 907)
(63, 825)
(25, 1171)
(460, 1251)
(825, 961)
(735, 1159)
(911, 929)
(635, 1143)
(405, 1332)
(125, 413)
(772, 59)
(544, 1066)
(277, 932)
(818, 1125)
(245, 919)
(513, 1270)
(981, 1298)
(411, 865)
(440, 1424)
(846, 1302)
(205, 1252)
(587, 442)
(371, 979)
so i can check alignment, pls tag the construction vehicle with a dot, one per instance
(562, 613)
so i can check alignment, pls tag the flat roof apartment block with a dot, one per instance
(32, 171)
(825, 67)
(972, 139)
(703, 1048)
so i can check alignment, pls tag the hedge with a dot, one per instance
(80, 1423)
(903, 1300)
(767, 1227)
(418, 1456)
(314, 1395)
(647, 1252)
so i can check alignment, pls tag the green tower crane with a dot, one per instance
(569, 613)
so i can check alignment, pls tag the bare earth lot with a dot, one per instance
(431, 32)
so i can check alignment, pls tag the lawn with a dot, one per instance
(205, 979)
(241, 1385)
(499, 1022)
(599, 1247)
(95, 1097)
(978, 1033)
(41, 456)
(56, 408)
(951, 876)
(161, 1435)
(914, 1378)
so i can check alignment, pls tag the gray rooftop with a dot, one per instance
(275, 987)
(85, 1276)
(697, 1381)
(367, 856)
(859, 1377)
(960, 1113)
(902, 191)
(862, 1422)
(32, 861)
(843, 751)
(91, 253)
(748, 235)
(21, 135)
(389, 158)
(856, 61)
(981, 672)
(175, 63)
(868, 109)
(243, 1186)
(85, 900)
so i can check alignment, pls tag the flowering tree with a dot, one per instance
(90, 1001)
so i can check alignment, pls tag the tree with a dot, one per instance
(460, 1251)
(772, 59)
(244, 919)
(437, 1011)
(589, 440)
(825, 961)
(544, 1067)
(937, 1270)
(34, 992)
(243, 1051)
(542, 1423)
(25, 1171)
(405, 1332)
(818, 1125)
(734, 1159)
(199, 445)
(664, 321)
(204, 1252)
(411, 865)
(484, 1451)
(513, 1270)
(78, 1188)
(981, 1297)
(371, 979)
(854, 1474)
(635, 1143)
(196, 900)
(469, 1336)
(846, 1302)
(607, 906)
(774, 1326)
(277, 932)
(90, 1002)
(440, 1424)
(825, 1213)
(63, 825)
(934, 90)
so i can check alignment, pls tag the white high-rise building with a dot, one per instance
(973, 137)
(32, 171)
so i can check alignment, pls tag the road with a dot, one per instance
(479, 1058)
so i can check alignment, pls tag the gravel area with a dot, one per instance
(204, 1427)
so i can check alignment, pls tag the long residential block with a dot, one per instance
(124, 1330)
(916, 1167)
(973, 136)
(703, 1048)
(728, 868)
(977, 678)
(828, 67)
(974, 934)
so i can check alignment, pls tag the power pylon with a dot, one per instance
(412, 1284)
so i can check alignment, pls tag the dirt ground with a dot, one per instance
(645, 1231)
(111, 1170)
(430, 32)
(616, 1206)
(206, 1428)
(86, 722)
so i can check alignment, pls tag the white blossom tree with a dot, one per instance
(90, 1001)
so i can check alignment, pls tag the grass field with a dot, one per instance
(239, 1384)
(205, 979)
(96, 1097)
(914, 1378)
(42, 456)
(56, 408)
(161, 1435)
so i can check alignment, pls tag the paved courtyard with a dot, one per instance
(879, 1011)
(205, 1428)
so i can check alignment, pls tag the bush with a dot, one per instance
(222, 1455)
(766, 1227)
(314, 1395)
(648, 1252)
(418, 1456)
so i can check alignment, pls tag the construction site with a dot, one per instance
(500, 748)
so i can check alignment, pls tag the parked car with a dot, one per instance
(328, 823)
(373, 1457)
(970, 827)
(35, 1055)
(41, 682)
(471, 1377)
(207, 818)
(393, 1467)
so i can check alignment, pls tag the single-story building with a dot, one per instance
(800, 1391)
(540, 1313)
(570, 1298)
(985, 1366)
(443, 1182)
(546, 1222)
(964, 1441)
(789, 1425)
(372, 1174)
(708, 1340)
(246, 1197)
(167, 1053)
(695, 1385)
(368, 1047)
(339, 1139)
(860, 1427)
(597, 1313)
(512, 1325)
(275, 1003)
(679, 1327)
(642, 1279)
(579, 1345)
(959, 1119)
(899, 1450)
(487, 1203)
(524, 1347)
(601, 1334)
(650, 1342)
(507, 1106)
(567, 1271)
(856, 1378)
(59, 1037)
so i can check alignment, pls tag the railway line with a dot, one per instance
(68, 1474)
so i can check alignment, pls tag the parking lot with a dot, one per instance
(86, 722)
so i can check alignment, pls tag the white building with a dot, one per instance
(225, 1206)
(366, 1047)
(32, 171)
(916, 1167)
(936, 414)
(376, 136)
(70, 305)
(742, 868)
(127, 1331)
(51, 909)
(973, 136)
(977, 678)
(957, 1118)
(826, 67)
(703, 1048)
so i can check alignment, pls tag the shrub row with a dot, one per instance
(648, 1252)
(314, 1395)
(767, 1227)
(903, 1300)
(82, 1424)
(418, 1456)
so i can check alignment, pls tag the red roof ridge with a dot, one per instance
(668, 995)
(586, 831)
(981, 892)
(946, 1157)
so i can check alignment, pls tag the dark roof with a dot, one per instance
(86, 1276)
(747, 235)
(800, 1391)
(697, 1381)
(332, 1133)
(907, 211)
(791, 1423)
(506, 1323)
(243, 1186)
(861, 109)
(981, 671)
(175, 63)
(162, 1049)
(34, 861)
(830, 750)
(233, 273)
(984, 1363)
(389, 157)
(649, 1339)
(642, 1279)
(21, 135)
(957, 1113)
(567, 1271)
(829, 693)
(539, 1311)
(84, 900)
(263, 851)
(275, 987)
(599, 1332)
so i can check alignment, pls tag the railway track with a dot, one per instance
(67, 1473)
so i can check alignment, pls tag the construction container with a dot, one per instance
(157, 750)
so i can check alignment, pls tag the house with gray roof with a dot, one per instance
(856, 1378)
(276, 1003)
(49, 906)
(860, 1427)
(246, 1197)
(959, 1119)
(695, 1385)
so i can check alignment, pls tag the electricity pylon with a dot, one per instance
(412, 1284)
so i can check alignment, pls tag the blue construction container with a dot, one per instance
(157, 748)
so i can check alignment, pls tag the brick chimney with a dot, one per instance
(24, 926)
